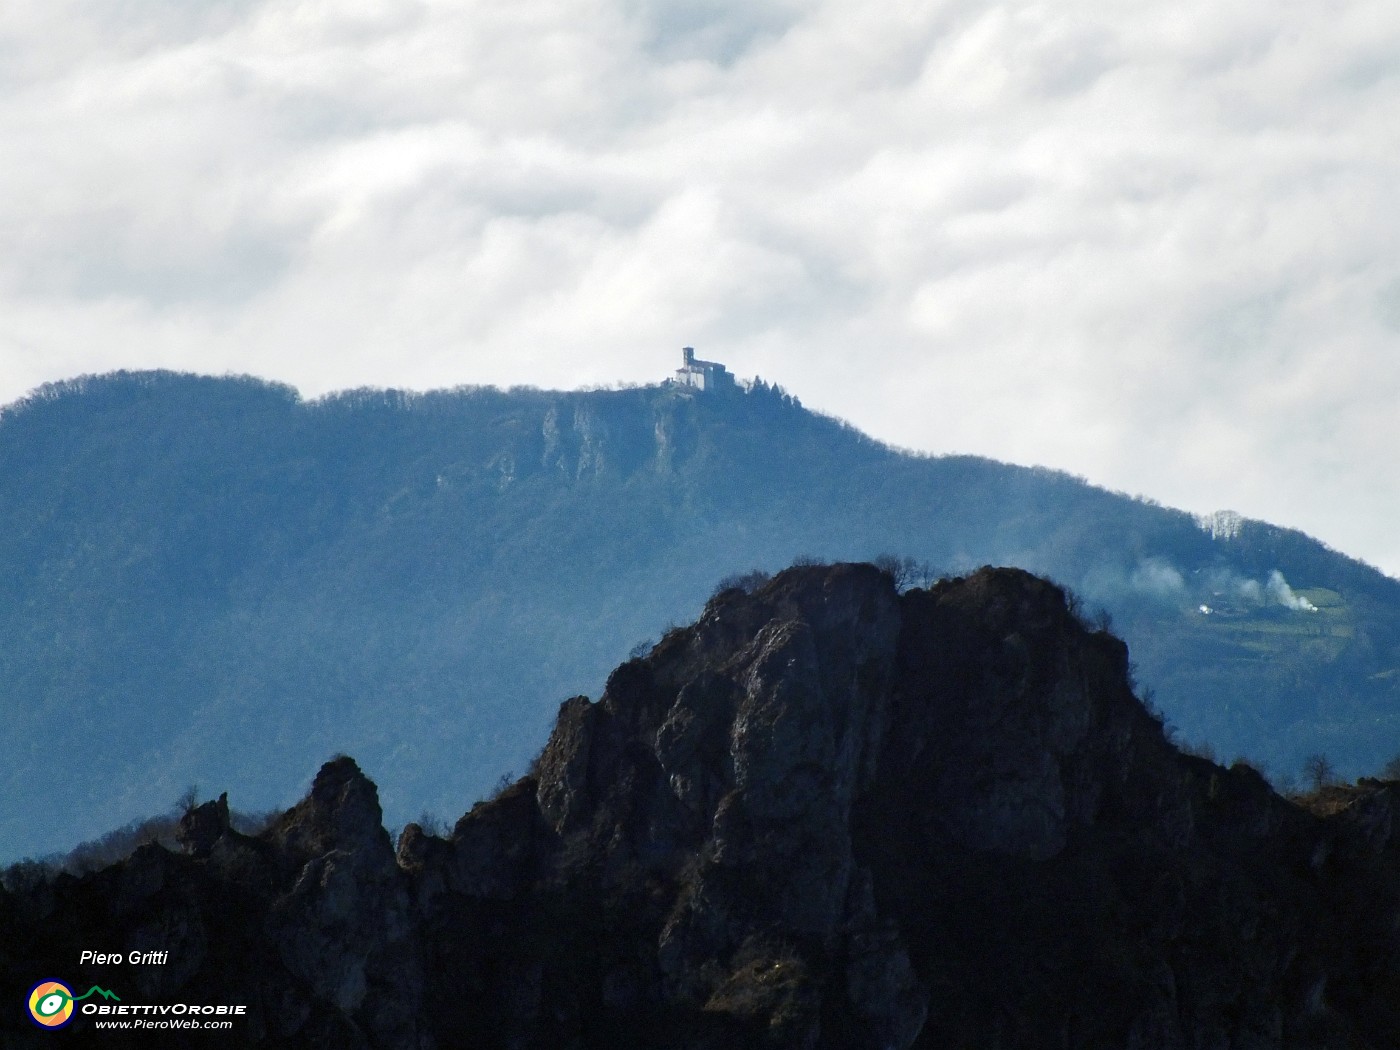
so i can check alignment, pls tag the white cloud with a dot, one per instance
(1151, 243)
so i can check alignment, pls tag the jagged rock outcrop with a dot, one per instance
(309, 926)
(826, 815)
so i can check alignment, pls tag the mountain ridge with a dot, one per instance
(236, 582)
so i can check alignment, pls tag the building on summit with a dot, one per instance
(702, 375)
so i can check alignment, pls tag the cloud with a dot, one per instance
(1151, 243)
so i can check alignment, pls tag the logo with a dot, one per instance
(51, 1002)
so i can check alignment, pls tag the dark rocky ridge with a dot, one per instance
(825, 815)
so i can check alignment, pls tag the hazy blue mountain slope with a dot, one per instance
(208, 580)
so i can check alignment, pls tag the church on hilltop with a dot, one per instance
(702, 375)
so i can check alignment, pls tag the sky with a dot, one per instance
(1155, 243)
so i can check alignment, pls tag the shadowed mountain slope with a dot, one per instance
(210, 581)
(824, 816)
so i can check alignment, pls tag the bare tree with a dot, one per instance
(1319, 771)
(748, 582)
(189, 798)
(925, 575)
(1391, 770)
(894, 566)
(1102, 620)
(906, 572)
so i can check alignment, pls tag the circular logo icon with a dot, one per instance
(51, 1004)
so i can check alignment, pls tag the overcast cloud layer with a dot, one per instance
(1152, 242)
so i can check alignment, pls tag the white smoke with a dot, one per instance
(1251, 591)
(1272, 591)
(1279, 591)
(1159, 578)
(1215, 590)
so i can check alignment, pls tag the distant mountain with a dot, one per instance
(825, 816)
(211, 581)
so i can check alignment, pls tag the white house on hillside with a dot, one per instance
(702, 375)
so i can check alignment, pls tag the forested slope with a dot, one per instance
(212, 581)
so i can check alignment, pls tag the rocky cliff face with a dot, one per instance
(825, 815)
